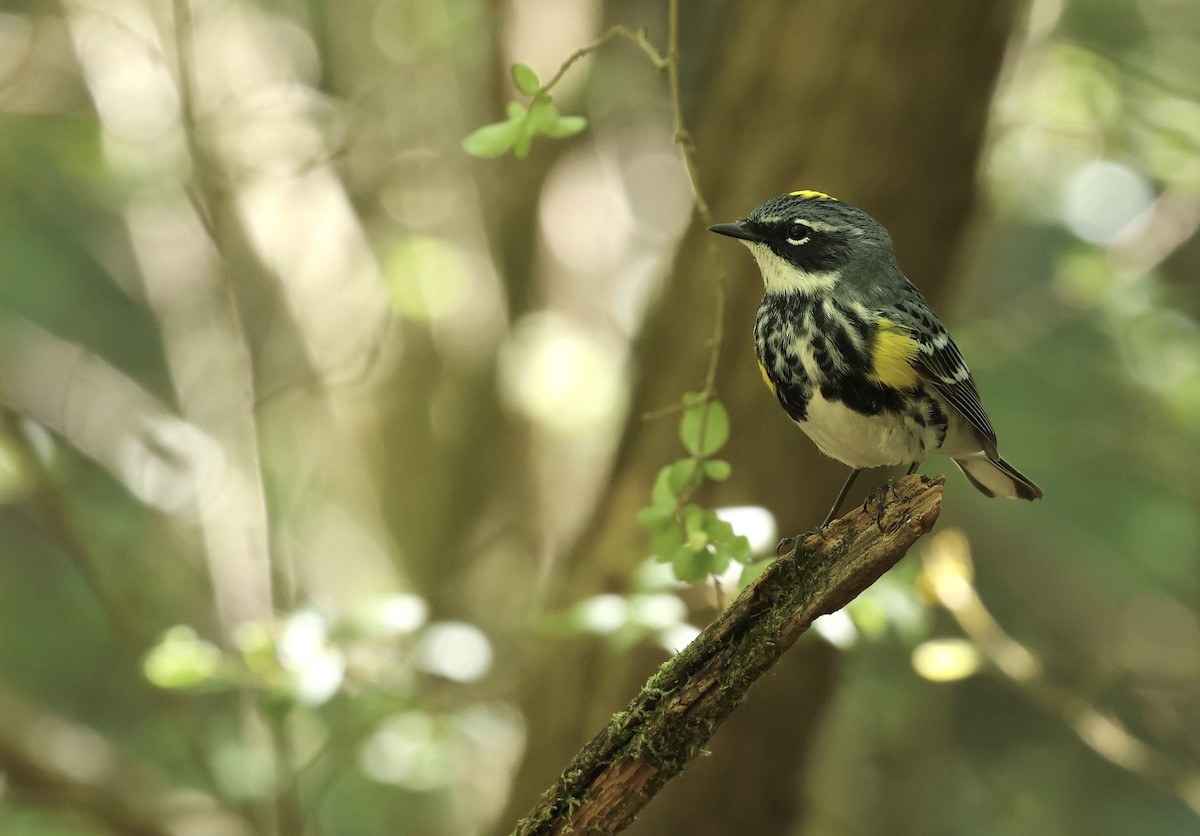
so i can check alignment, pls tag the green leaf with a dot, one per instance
(516, 111)
(666, 541)
(717, 469)
(182, 660)
(565, 126)
(718, 529)
(652, 516)
(526, 79)
(665, 492)
(719, 561)
(740, 549)
(736, 548)
(716, 428)
(673, 481)
(726, 542)
(690, 566)
(523, 139)
(695, 524)
(492, 140)
(542, 113)
(696, 519)
(686, 475)
(693, 398)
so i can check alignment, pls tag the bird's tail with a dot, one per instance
(996, 477)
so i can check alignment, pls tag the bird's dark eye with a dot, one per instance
(798, 233)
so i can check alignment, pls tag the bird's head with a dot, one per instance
(807, 241)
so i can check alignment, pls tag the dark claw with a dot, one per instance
(788, 544)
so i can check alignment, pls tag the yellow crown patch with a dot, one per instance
(809, 194)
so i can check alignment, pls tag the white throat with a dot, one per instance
(780, 276)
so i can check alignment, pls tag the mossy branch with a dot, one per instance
(671, 719)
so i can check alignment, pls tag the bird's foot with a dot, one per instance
(880, 497)
(790, 544)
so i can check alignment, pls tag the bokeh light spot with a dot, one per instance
(837, 628)
(675, 639)
(560, 377)
(316, 666)
(428, 278)
(946, 660)
(455, 650)
(1106, 203)
(407, 749)
(657, 612)
(394, 615)
(602, 614)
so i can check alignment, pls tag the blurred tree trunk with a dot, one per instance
(884, 107)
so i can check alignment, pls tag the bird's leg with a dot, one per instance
(913, 468)
(841, 497)
(788, 543)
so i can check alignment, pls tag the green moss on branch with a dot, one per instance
(675, 714)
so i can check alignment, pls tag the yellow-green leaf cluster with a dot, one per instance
(516, 133)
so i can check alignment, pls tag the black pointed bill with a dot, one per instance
(738, 229)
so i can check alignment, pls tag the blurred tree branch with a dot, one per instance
(58, 764)
(947, 568)
(672, 718)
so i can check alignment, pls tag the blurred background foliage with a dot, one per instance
(323, 440)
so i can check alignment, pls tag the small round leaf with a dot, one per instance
(708, 420)
(719, 561)
(665, 542)
(690, 566)
(718, 529)
(526, 79)
(740, 549)
(717, 469)
(665, 492)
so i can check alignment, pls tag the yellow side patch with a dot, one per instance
(766, 378)
(892, 354)
(811, 195)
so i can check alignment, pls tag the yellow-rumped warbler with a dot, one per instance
(853, 351)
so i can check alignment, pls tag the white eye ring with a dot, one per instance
(798, 234)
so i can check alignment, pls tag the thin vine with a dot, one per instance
(693, 539)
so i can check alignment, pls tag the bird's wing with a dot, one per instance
(938, 361)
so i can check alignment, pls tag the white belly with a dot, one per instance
(865, 440)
